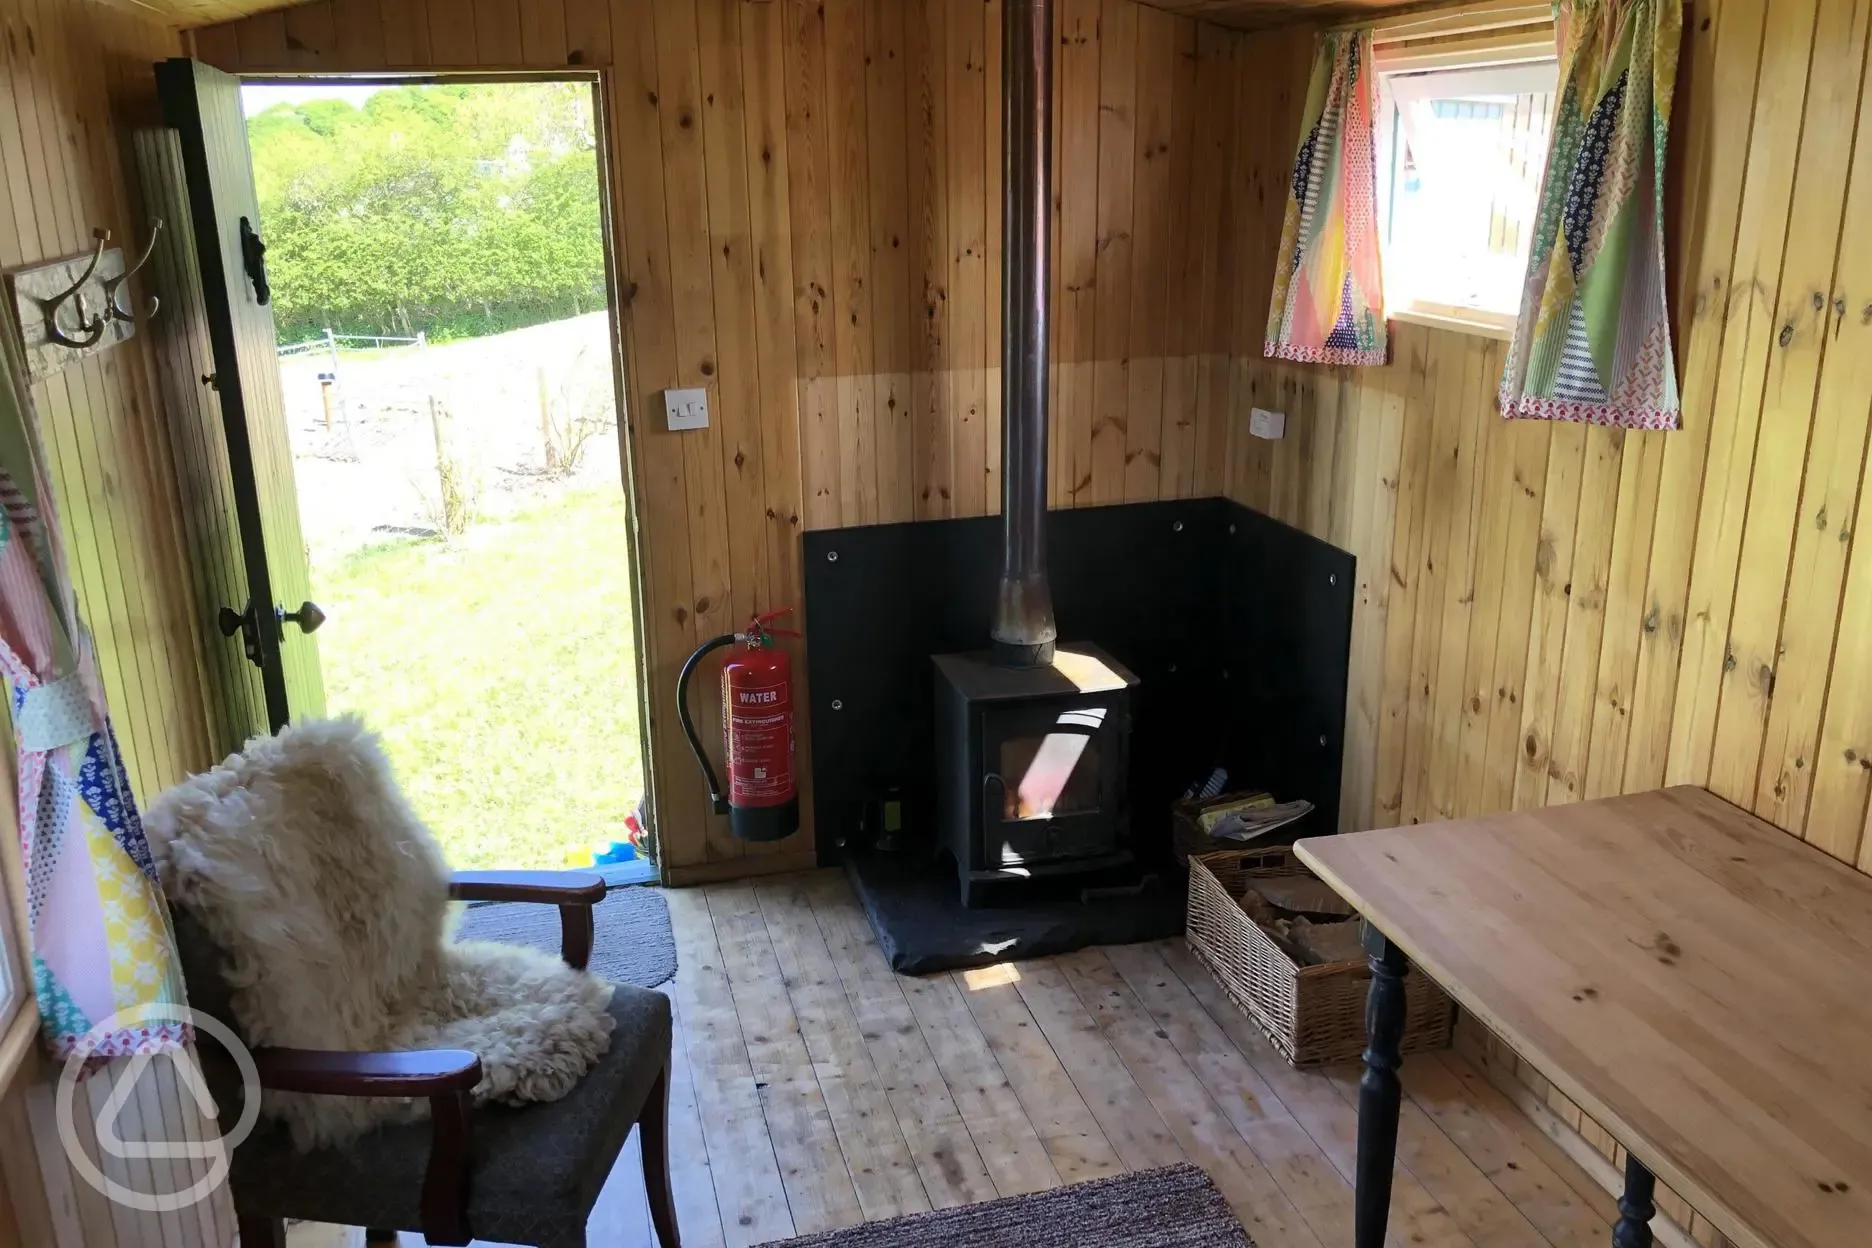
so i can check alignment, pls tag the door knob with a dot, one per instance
(230, 621)
(308, 617)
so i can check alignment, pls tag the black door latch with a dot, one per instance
(247, 625)
(253, 257)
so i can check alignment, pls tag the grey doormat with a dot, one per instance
(632, 943)
(1173, 1207)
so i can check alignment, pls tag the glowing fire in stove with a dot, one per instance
(1056, 774)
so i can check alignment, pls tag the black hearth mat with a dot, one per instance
(916, 910)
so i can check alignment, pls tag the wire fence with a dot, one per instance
(331, 342)
(402, 437)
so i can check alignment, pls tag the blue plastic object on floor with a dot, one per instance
(613, 853)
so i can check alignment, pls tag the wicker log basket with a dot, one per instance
(1315, 1015)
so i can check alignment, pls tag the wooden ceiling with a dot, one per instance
(1243, 14)
(1261, 14)
(1264, 14)
(186, 14)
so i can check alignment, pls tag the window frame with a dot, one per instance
(12, 973)
(1488, 37)
(19, 1015)
(19, 1012)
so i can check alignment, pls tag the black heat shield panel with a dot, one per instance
(1285, 601)
(1156, 584)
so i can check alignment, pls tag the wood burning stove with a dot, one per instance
(1033, 742)
(1032, 765)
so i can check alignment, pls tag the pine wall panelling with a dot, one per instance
(1549, 613)
(1553, 612)
(77, 84)
(1545, 613)
(807, 222)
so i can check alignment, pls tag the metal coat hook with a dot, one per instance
(115, 309)
(93, 329)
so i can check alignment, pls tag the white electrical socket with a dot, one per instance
(686, 409)
(1265, 424)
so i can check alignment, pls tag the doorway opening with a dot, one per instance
(436, 251)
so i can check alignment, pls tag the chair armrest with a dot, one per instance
(419, 1072)
(556, 888)
(574, 892)
(445, 1076)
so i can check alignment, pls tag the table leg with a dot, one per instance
(1379, 1090)
(1635, 1207)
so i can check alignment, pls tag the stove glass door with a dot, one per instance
(1049, 789)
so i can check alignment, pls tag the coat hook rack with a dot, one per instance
(114, 307)
(78, 306)
(92, 328)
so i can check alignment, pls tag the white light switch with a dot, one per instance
(686, 409)
(1265, 424)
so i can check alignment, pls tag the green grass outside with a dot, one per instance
(500, 670)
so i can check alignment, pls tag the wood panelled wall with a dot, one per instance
(1552, 612)
(1548, 613)
(807, 222)
(78, 81)
(76, 84)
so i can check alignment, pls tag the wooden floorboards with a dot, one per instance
(815, 1089)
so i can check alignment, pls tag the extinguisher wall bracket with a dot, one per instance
(717, 801)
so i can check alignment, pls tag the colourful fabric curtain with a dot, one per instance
(101, 941)
(1593, 341)
(1328, 305)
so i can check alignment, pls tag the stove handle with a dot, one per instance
(994, 798)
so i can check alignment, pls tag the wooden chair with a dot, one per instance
(523, 1175)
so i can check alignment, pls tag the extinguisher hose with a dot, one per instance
(716, 800)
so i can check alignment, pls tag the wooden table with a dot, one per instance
(1698, 981)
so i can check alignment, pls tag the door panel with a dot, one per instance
(203, 106)
(236, 703)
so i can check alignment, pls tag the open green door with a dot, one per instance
(268, 615)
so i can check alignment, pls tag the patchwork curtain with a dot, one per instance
(1328, 305)
(1592, 342)
(101, 941)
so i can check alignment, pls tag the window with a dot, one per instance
(1462, 139)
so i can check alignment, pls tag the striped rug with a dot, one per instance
(1172, 1207)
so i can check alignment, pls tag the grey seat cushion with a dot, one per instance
(537, 1168)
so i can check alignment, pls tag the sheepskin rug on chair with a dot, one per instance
(303, 861)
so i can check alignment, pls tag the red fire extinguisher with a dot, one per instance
(757, 724)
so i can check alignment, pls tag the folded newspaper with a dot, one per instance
(1250, 818)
